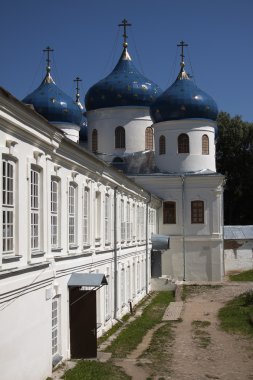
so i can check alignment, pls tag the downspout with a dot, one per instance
(147, 208)
(115, 255)
(183, 224)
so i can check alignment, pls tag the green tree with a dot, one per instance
(235, 160)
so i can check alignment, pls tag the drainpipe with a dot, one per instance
(183, 224)
(115, 256)
(147, 203)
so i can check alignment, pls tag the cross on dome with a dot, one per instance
(125, 23)
(77, 80)
(48, 50)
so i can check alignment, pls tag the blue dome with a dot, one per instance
(125, 86)
(183, 100)
(51, 102)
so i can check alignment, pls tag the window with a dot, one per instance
(98, 218)
(197, 212)
(205, 144)
(122, 287)
(72, 213)
(149, 138)
(86, 216)
(94, 141)
(8, 206)
(183, 143)
(55, 326)
(120, 137)
(162, 145)
(128, 222)
(169, 212)
(55, 230)
(123, 224)
(107, 219)
(35, 209)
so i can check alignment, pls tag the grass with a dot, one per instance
(189, 290)
(133, 334)
(159, 352)
(244, 276)
(237, 315)
(201, 336)
(93, 370)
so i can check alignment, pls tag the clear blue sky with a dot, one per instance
(87, 42)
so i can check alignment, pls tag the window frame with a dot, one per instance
(55, 212)
(170, 215)
(35, 208)
(205, 145)
(107, 219)
(197, 212)
(94, 140)
(183, 143)
(120, 138)
(162, 145)
(86, 217)
(8, 205)
(149, 138)
(72, 213)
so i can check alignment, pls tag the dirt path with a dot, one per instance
(201, 351)
(225, 356)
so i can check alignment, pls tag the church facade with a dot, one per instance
(80, 204)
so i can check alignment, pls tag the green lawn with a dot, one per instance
(132, 335)
(237, 315)
(244, 276)
(93, 370)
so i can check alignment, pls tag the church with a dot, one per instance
(96, 202)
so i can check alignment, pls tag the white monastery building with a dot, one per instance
(88, 208)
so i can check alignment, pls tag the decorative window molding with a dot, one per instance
(183, 143)
(169, 212)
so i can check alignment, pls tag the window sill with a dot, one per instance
(56, 360)
(56, 249)
(11, 258)
(37, 254)
(74, 246)
(107, 244)
(107, 318)
(86, 247)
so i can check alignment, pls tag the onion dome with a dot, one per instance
(125, 86)
(183, 100)
(52, 103)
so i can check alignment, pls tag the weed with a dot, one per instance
(189, 290)
(202, 337)
(132, 335)
(235, 315)
(93, 370)
(200, 324)
(243, 276)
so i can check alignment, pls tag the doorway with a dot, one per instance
(83, 323)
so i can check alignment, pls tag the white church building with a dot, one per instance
(84, 205)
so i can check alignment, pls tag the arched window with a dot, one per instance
(162, 145)
(183, 143)
(149, 138)
(120, 137)
(197, 212)
(205, 144)
(94, 141)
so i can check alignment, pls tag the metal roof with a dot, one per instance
(87, 279)
(238, 232)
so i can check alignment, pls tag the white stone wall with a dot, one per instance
(193, 161)
(135, 120)
(29, 280)
(239, 258)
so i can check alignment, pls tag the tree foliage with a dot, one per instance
(235, 160)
